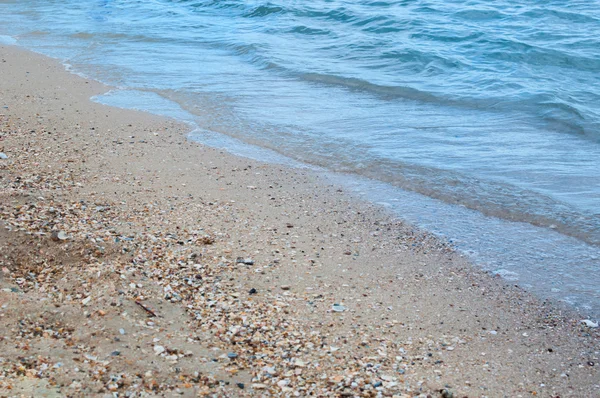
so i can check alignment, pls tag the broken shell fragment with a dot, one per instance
(59, 235)
(589, 323)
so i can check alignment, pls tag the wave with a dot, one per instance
(264, 11)
(514, 51)
(555, 114)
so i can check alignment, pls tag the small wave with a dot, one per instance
(447, 37)
(491, 198)
(506, 274)
(480, 14)
(557, 115)
(362, 85)
(519, 52)
(4, 39)
(219, 4)
(546, 14)
(370, 21)
(305, 30)
(263, 11)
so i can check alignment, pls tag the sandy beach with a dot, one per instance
(136, 262)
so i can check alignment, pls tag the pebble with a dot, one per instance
(122, 331)
(246, 261)
(76, 385)
(589, 323)
(3, 155)
(252, 291)
(338, 308)
(447, 394)
(232, 355)
(286, 287)
(158, 349)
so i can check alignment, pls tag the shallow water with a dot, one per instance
(489, 113)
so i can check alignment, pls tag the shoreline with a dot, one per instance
(549, 264)
(187, 232)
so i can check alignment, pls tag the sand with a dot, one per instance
(136, 262)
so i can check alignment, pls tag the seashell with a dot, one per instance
(338, 308)
(589, 323)
(59, 235)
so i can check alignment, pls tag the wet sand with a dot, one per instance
(135, 261)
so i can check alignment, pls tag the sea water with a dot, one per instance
(479, 121)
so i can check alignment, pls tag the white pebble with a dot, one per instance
(589, 323)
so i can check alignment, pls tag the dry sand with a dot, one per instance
(138, 263)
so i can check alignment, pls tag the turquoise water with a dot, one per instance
(492, 111)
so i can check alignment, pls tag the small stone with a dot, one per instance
(252, 291)
(338, 308)
(3, 155)
(112, 387)
(240, 385)
(86, 300)
(76, 385)
(447, 394)
(377, 384)
(115, 353)
(158, 349)
(246, 261)
(259, 386)
(122, 331)
(589, 323)
(286, 287)
(232, 355)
